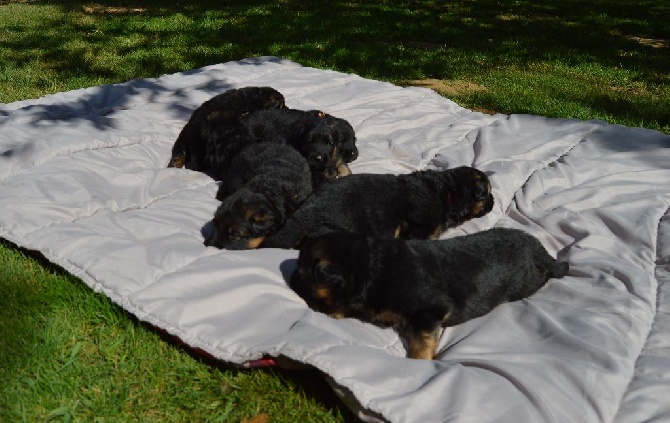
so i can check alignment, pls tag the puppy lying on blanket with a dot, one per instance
(327, 142)
(266, 182)
(418, 205)
(191, 150)
(419, 286)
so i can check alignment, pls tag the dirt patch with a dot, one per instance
(651, 42)
(447, 87)
(112, 10)
(451, 88)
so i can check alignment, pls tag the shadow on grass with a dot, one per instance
(95, 103)
(116, 41)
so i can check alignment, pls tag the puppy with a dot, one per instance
(321, 138)
(266, 182)
(191, 149)
(418, 205)
(419, 286)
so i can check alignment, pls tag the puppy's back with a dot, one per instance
(190, 148)
(488, 268)
(345, 205)
(274, 160)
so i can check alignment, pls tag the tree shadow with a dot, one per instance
(381, 40)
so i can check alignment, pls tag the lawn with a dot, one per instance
(69, 354)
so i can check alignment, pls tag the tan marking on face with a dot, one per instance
(422, 345)
(250, 214)
(397, 232)
(323, 293)
(253, 243)
(342, 169)
(178, 161)
(340, 165)
(338, 315)
(478, 207)
(478, 176)
(320, 255)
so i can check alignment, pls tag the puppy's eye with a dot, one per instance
(320, 159)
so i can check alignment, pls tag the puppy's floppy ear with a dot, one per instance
(328, 274)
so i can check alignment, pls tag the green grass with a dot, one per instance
(69, 354)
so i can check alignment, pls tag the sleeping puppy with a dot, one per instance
(418, 205)
(266, 182)
(419, 286)
(191, 148)
(321, 138)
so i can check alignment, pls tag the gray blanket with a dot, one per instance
(83, 180)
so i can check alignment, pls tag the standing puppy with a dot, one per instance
(266, 182)
(419, 286)
(192, 148)
(418, 205)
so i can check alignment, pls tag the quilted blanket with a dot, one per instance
(83, 180)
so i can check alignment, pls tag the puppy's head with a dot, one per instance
(470, 194)
(242, 221)
(328, 143)
(326, 277)
(345, 138)
(269, 98)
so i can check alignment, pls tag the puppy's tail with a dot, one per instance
(548, 264)
(558, 269)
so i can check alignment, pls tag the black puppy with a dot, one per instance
(419, 286)
(266, 182)
(418, 205)
(326, 141)
(192, 149)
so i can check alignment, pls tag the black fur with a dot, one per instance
(418, 205)
(192, 148)
(266, 182)
(419, 286)
(327, 142)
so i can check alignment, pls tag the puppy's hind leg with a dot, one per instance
(423, 343)
(423, 330)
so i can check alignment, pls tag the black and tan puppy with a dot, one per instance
(420, 286)
(192, 149)
(418, 205)
(266, 182)
(315, 134)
